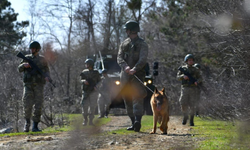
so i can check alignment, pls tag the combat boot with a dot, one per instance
(137, 124)
(197, 114)
(185, 118)
(27, 126)
(191, 120)
(101, 115)
(106, 113)
(91, 122)
(85, 121)
(132, 126)
(35, 127)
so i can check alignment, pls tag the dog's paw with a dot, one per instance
(152, 132)
(164, 133)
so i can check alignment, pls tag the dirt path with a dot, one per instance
(178, 137)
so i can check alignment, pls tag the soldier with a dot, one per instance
(89, 78)
(33, 86)
(188, 89)
(104, 99)
(132, 58)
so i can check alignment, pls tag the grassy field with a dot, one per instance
(221, 135)
(208, 134)
(72, 121)
(215, 135)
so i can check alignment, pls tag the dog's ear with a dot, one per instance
(163, 90)
(156, 90)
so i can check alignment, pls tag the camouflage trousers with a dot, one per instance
(89, 103)
(33, 97)
(104, 101)
(133, 96)
(188, 99)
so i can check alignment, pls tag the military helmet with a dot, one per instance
(132, 25)
(197, 66)
(89, 61)
(104, 71)
(35, 45)
(188, 56)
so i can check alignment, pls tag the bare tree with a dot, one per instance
(85, 17)
(107, 26)
(136, 7)
(56, 11)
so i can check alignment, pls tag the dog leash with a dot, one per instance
(143, 83)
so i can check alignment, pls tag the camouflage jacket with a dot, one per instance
(31, 76)
(133, 53)
(92, 76)
(195, 73)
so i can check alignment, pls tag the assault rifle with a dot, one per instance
(34, 67)
(91, 82)
(192, 80)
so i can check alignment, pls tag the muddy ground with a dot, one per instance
(179, 138)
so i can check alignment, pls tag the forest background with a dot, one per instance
(215, 32)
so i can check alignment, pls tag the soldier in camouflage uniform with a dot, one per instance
(89, 79)
(33, 86)
(188, 90)
(104, 99)
(132, 58)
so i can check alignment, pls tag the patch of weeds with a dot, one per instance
(217, 135)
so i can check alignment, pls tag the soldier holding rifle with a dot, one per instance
(35, 74)
(190, 79)
(89, 79)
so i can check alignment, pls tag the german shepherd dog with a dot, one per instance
(160, 108)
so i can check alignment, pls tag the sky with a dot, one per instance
(19, 6)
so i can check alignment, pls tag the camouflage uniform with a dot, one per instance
(33, 87)
(104, 98)
(133, 53)
(89, 94)
(188, 91)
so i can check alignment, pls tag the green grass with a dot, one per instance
(218, 135)
(208, 134)
(74, 122)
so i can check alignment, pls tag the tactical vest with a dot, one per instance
(33, 76)
(92, 76)
(193, 72)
